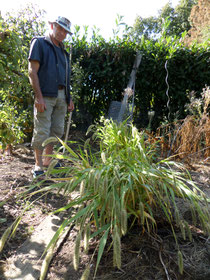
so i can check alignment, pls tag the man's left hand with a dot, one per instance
(71, 106)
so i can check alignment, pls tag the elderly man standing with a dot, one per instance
(49, 74)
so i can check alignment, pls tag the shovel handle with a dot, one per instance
(67, 129)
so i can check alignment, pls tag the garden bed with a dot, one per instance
(143, 256)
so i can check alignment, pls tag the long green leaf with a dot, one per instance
(68, 149)
(102, 245)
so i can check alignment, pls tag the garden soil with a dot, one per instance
(143, 256)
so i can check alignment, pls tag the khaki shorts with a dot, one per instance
(51, 121)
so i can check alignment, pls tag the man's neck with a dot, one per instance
(55, 42)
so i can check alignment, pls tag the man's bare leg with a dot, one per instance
(48, 151)
(38, 158)
(38, 168)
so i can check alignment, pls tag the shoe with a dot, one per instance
(58, 165)
(37, 172)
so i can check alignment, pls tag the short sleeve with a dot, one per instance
(35, 52)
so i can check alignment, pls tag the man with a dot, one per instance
(49, 74)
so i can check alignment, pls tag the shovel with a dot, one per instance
(70, 114)
(67, 130)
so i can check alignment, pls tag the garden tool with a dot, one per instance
(119, 111)
(67, 130)
(70, 114)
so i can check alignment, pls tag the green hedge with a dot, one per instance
(106, 70)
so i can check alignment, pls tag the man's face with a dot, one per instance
(59, 33)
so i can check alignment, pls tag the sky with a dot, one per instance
(99, 13)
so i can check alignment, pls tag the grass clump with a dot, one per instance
(121, 184)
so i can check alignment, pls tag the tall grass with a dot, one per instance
(123, 183)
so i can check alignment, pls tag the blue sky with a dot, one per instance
(102, 14)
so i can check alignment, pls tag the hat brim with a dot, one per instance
(63, 26)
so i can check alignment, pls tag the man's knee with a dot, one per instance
(39, 136)
(57, 131)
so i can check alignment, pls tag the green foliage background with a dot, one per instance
(106, 68)
(100, 73)
(16, 96)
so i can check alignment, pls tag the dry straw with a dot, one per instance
(188, 139)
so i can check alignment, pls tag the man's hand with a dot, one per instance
(71, 106)
(33, 68)
(39, 104)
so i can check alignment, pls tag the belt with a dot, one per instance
(61, 87)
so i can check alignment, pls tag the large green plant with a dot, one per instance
(11, 126)
(121, 184)
(124, 182)
(16, 94)
(13, 82)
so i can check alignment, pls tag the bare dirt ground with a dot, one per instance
(143, 257)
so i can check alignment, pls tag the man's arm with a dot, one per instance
(33, 68)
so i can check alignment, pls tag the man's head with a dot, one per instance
(60, 28)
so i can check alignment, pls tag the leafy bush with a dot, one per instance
(10, 126)
(16, 94)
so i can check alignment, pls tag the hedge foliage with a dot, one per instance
(106, 68)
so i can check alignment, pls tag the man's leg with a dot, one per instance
(37, 170)
(56, 119)
(38, 157)
(42, 123)
(58, 115)
(57, 123)
(48, 151)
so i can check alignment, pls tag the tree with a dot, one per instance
(27, 23)
(199, 19)
(181, 16)
(151, 27)
(145, 26)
